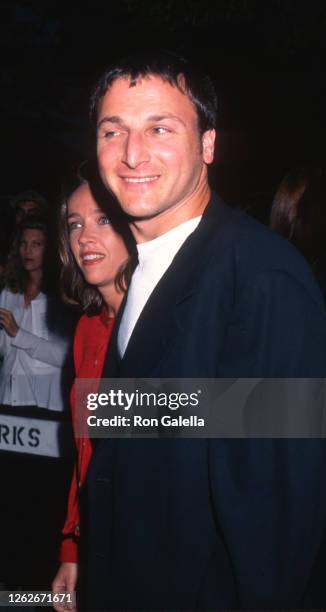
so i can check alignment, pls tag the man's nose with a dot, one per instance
(135, 151)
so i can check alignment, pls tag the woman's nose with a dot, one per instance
(85, 235)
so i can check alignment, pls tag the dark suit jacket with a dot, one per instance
(219, 523)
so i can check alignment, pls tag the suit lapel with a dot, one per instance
(112, 362)
(160, 320)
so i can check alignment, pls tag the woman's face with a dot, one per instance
(31, 249)
(98, 249)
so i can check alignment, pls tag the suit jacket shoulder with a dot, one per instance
(237, 300)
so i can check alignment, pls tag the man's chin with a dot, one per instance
(138, 213)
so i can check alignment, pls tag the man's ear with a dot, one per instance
(208, 142)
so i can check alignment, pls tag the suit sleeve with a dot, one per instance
(269, 497)
(269, 494)
(283, 326)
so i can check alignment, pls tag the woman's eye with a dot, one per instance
(104, 220)
(73, 225)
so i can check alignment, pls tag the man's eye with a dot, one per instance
(111, 134)
(160, 130)
(104, 220)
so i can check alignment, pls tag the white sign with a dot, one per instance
(32, 436)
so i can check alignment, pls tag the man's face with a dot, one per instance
(150, 152)
(23, 209)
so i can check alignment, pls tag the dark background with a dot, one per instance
(267, 59)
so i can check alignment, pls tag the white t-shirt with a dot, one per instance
(154, 256)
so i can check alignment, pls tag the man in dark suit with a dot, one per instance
(207, 523)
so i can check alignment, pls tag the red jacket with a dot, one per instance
(90, 346)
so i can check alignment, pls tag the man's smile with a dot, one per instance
(139, 179)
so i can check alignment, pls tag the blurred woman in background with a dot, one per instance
(31, 344)
(299, 214)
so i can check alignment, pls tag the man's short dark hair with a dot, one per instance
(175, 69)
(30, 196)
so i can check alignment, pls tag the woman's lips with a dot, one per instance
(88, 259)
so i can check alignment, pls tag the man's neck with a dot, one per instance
(149, 229)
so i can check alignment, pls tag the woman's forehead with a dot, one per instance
(33, 233)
